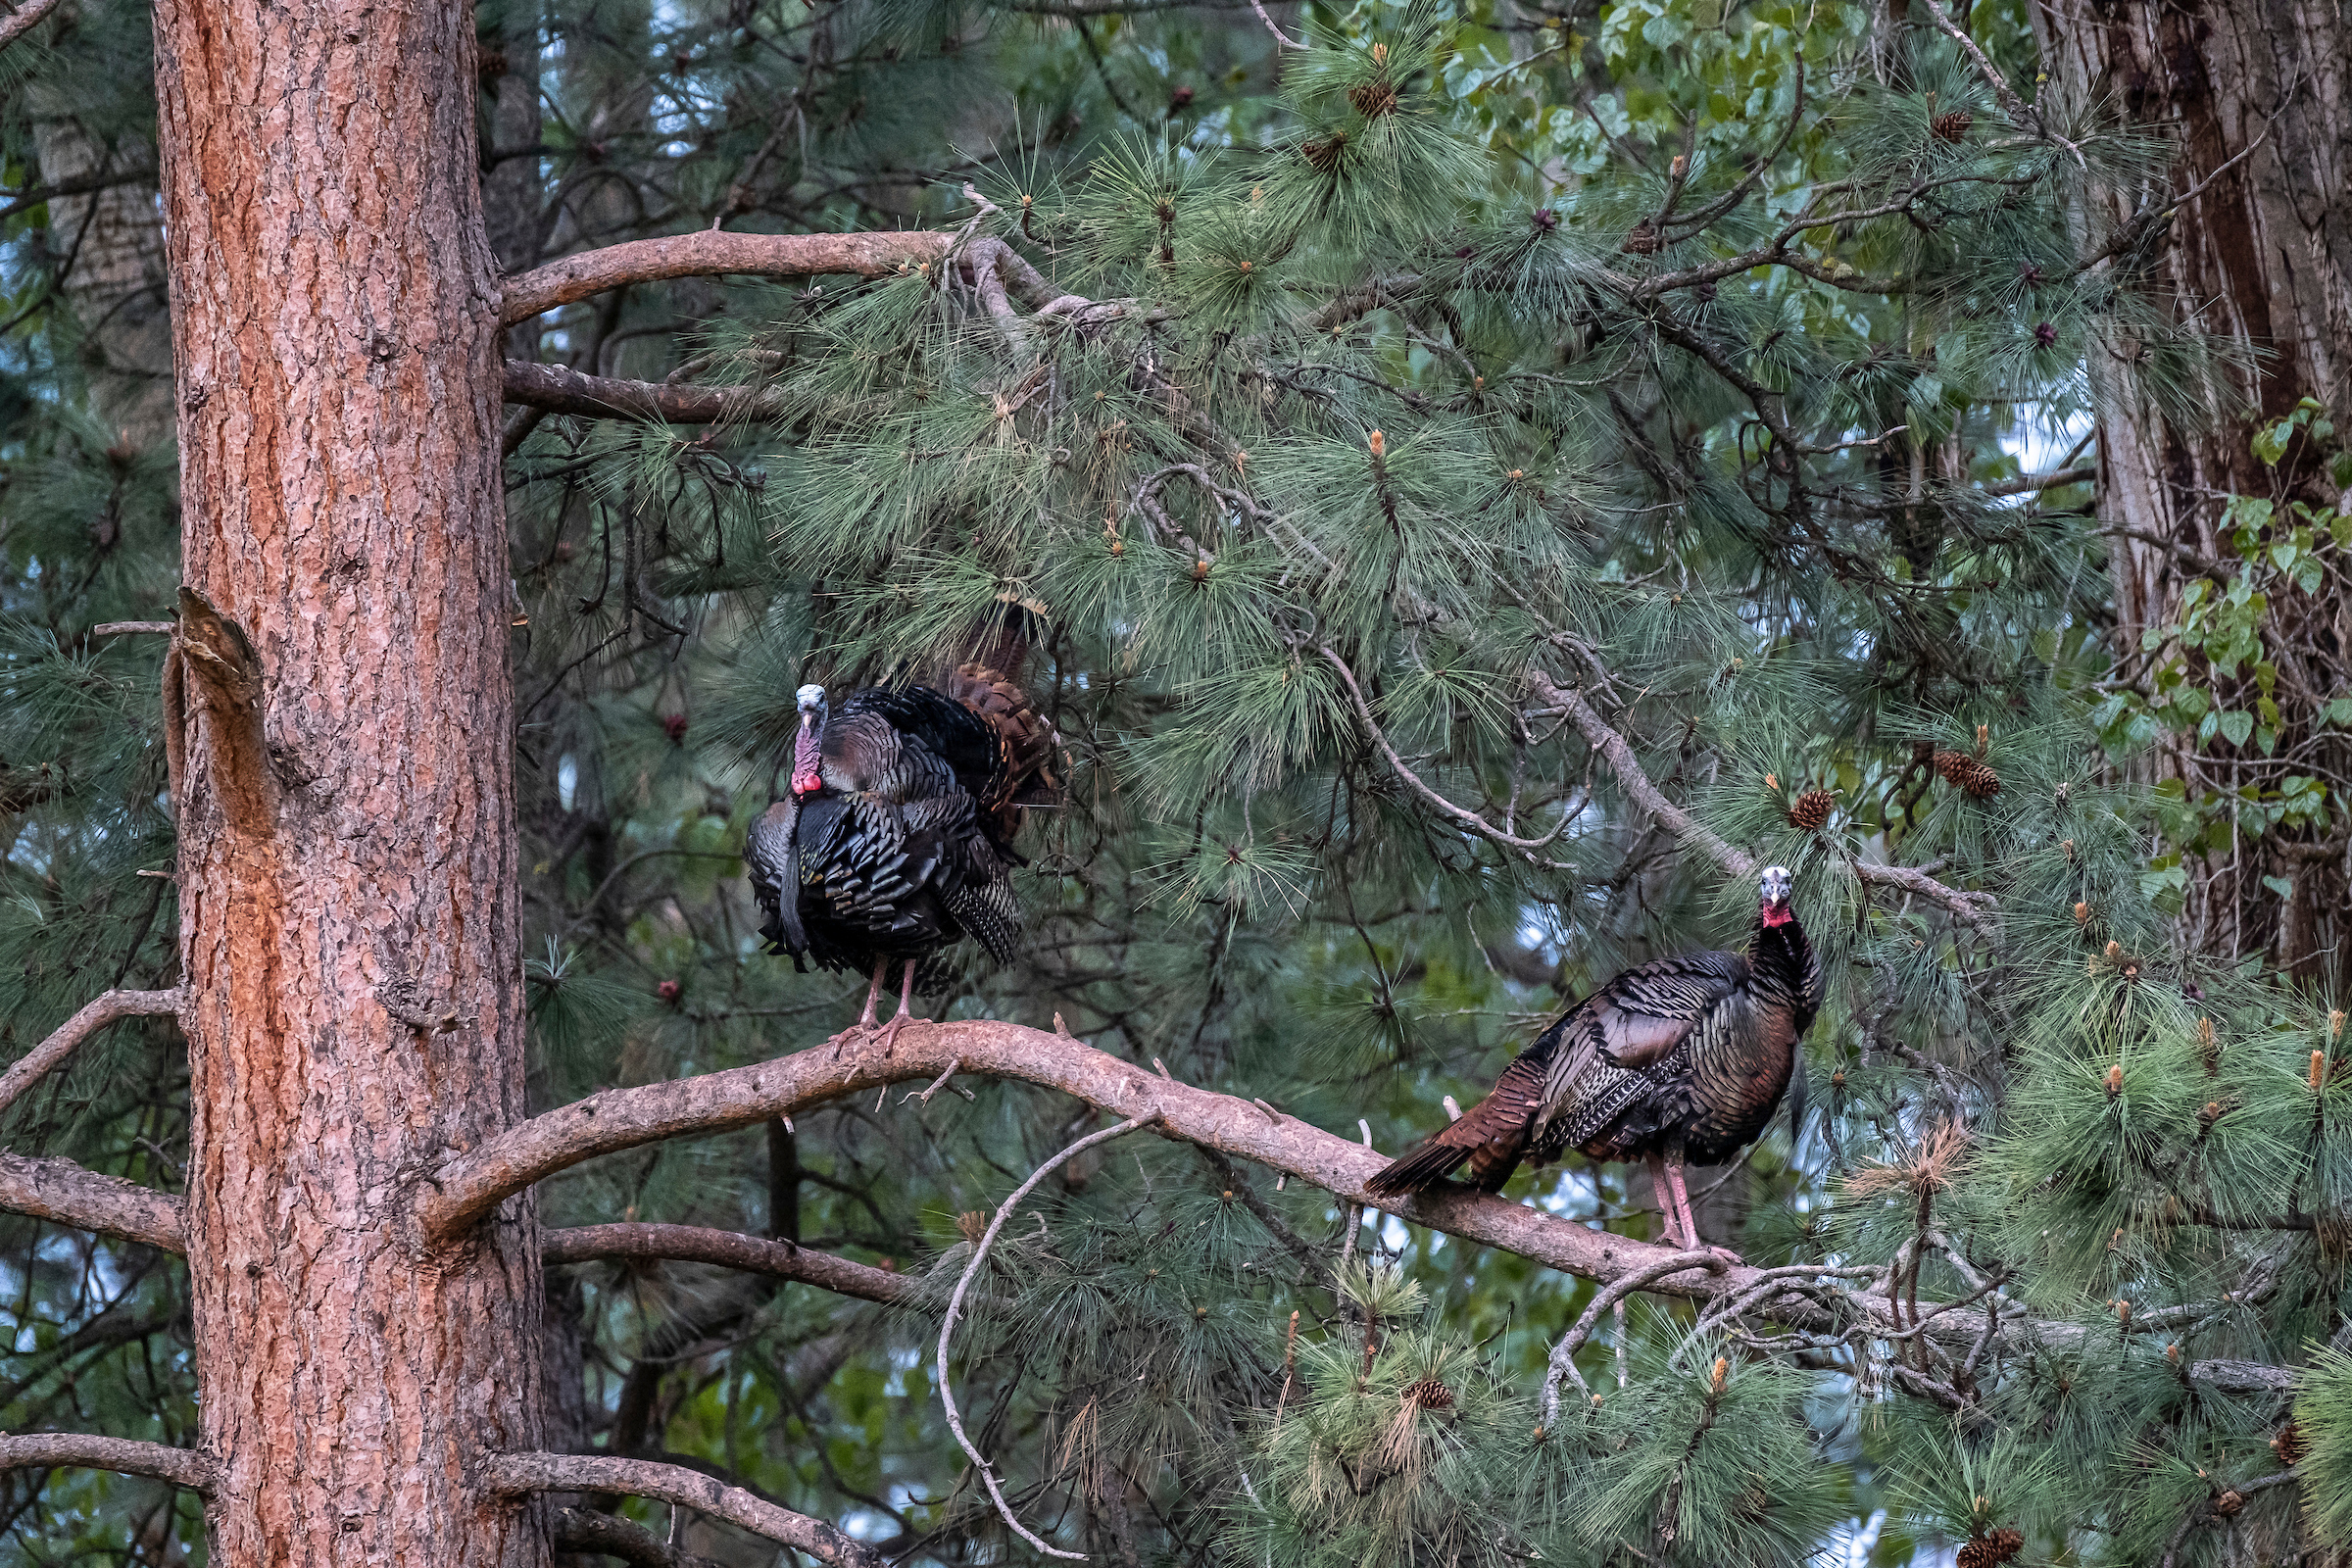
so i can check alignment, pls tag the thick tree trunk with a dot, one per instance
(2265, 255)
(350, 925)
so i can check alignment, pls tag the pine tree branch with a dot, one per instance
(559, 390)
(58, 1450)
(697, 1244)
(586, 1529)
(468, 1187)
(29, 1069)
(1974, 909)
(73, 1195)
(710, 253)
(517, 1473)
(23, 20)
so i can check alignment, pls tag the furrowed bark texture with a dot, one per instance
(2264, 254)
(343, 783)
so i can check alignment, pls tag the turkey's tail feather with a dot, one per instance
(1492, 1136)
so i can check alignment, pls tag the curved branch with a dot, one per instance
(558, 390)
(1466, 817)
(74, 1195)
(516, 1473)
(710, 253)
(1562, 1364)
(27, 1069)
(963, 1282)
(584, 1529)
(23, 18)
(1970, 909)
(57, 1450)
(698, 1243)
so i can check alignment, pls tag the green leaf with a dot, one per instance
(2236, 726)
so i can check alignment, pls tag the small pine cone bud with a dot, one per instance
(1373, 99)
(1722, 1369)
(1323, 155)
(1811, 812)
(2082, 912)
(1378, 443)
(1430, 1395)
(2290, 1445)
(2318, 1069)
(2228, 1503)
(971, 1225)
(1641, 239)
(2209, 1046)
(1953, 127)
(1964, 771)
(2115, 1081)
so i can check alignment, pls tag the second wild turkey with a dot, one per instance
(1678, 1059)
(895, 841)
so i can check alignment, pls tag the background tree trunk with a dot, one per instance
(2266, 254)
(343, 780)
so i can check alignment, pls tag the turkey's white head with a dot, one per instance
(1771, 889)
(808, 774)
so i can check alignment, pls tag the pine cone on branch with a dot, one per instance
(1430, 1395)
(1810, 812)
(1374, 99)
(1963, 771)
(2290, 1445)
(1990, 1552)
(1641, 239)
(1323, 155)
(1953, 127)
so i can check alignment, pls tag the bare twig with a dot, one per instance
(27, 1069)
(946, 1392)
(553, 390)
(584, 1529)
(713, 253)
(1258, 6)
(1563, 1355)
(120, 628)
(698, 1243)
(516, 1473)
(1466, 817)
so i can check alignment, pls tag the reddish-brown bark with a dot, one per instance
(2264, 256)
(340, 716)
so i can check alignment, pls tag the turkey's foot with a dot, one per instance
(1727, 1256)
(890, 1030)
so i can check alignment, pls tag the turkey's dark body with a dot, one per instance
(895, 842)
(1683, 1059)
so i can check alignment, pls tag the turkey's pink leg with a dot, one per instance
(1682, 1206)
(900, 1019)
(866, 1019)
(1665, 1196)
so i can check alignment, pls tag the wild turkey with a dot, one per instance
(1678, 1059)
(895, 839)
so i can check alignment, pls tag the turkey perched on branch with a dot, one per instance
(895, 839)
(1679, 1059)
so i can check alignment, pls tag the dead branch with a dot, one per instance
(58, 1450)
(121, 628)
(1974, 909)
(73, 1195)
(584, 1529)
(558, 390)
(1562, 1366)
(963, 1282)
(29, 1069)
(698, 1243)
(517, 1473)
(23, 18)
(710, 253)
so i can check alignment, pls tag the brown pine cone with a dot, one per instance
(1810, 811)
(1964, 771)
(2228, 1503)
(1953, 127)
(2290, 1445)
(1324, 156)
(1990, 1552)
(1430, 1395)
(1641, 239)
(1373, 99)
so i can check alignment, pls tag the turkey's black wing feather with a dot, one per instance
(1638, 1030)
(941, 729)
(771, 854)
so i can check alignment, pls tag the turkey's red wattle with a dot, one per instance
(807, 777)
(1772, 914)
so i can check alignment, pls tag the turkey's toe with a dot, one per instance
(1729, 1256)
(890, 1030)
